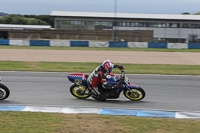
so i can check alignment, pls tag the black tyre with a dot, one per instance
(76, 90)
(4, 92)
(135, 94)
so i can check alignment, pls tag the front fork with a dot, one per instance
(129, 89)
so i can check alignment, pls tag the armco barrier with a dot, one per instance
(39, 42)
(118, 44)
(79, 43)
(65, 43)
(72, 43)
(4, 42)
(177, 46)
(138, 44)
(106, 111)
(98, 44)
(14, 42)
(157, 45)
(193, 46)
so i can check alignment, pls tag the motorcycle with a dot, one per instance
(118, 83)
(4, 91)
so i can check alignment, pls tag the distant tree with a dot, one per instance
(6, 20)
(45, 18)
(3, 14)
(198, 13)
(34, 21)
(186, 13)
(19, 19)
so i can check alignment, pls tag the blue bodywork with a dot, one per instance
(113, 80)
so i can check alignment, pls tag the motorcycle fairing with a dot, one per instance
(78, 78)
(112, 78)
(133, 86)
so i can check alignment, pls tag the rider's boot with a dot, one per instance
(98, 94)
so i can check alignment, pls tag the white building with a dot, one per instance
(165, 27)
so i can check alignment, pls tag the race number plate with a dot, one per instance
(78, 81)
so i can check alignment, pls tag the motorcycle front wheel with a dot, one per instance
(76, 91)
(134, 94)
(4, 92)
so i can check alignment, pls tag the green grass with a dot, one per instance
(28, 122)
(89, 67)
(94, 48)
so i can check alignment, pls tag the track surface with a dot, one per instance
(176, 93)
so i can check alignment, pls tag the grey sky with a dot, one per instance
(123, 6)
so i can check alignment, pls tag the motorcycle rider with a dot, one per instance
(97, 79)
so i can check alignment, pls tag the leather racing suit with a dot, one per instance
(98, 77)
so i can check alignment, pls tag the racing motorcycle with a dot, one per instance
(118, 84)
(4, 91)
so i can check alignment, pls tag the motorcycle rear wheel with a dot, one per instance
(75, 90)
(4, 92)
(135, 94)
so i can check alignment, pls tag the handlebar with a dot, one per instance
(122, 76)
(122, 72)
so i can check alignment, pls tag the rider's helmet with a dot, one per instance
(108, 65)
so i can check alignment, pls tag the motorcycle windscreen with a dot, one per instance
(133, 86)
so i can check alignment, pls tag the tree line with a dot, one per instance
(27, 19)
(38, 19)
(187, 13)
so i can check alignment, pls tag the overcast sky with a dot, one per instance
(38, 7)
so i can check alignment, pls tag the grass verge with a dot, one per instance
(88, 67)
(28, 122)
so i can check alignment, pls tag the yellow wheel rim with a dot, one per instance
(135, 94)
(75, 89)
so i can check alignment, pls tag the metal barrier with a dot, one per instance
(74, 43)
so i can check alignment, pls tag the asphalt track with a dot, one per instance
(163, 92)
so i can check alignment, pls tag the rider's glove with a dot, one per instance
(120, 67)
